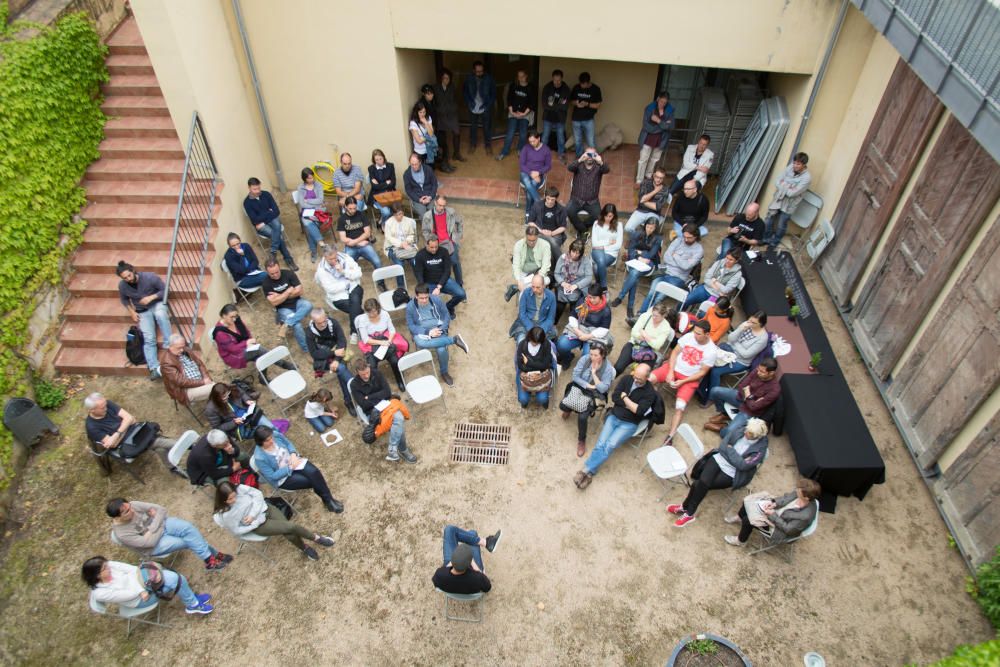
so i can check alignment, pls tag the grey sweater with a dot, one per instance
(746, 344)
(730, 278)
(249, 503)
(793, 521)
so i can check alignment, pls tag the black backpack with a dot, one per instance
(658, 411)
(133, 346)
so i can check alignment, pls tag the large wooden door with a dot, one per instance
(902, 124)
(954, 367)
(944, 211)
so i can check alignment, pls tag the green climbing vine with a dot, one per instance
(50, 125)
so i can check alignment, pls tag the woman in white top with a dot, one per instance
(318, 411)
(375, 329)
(127, 586)
(421, 128)
(242, 509)
(605, 242)
(400, 239)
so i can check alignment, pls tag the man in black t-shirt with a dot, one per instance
(284, 291)
(555, 103)
(549, 216)
(584, 99)
(746, 230)
(107, 425)
(432, 267)
(356, 234)
(522, 100)
(462, 572)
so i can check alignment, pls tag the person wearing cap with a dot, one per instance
(462, 572)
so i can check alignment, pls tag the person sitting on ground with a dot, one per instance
(591, 317)
(746, 231)
(632, 401)
(574, 275)
(107, 427)
(679, 259)
(689, 362)
(242, 263)
(128, 586)
(695, 164)
(382, 175)
(548, 216)
(243, 509)
(462, 572)
(370, 389)
(349, 182)
(265, 216)
(744, 344)
(355, 235)
(432, 267)
(421, 185)
(586, 191)
(530, 258)
(606, 242)
(446, 223)
(146, 529)
(213, 458)
(645, 248)
(535, 163)
(782, 517)
(284, 291)
(281, 466)
(652, 202)
(185, 376)
(428, 319)
(228, 409)
(754, 396)
(730, 466)
(721, 279)
(400, 239)
(340, 277)
(376, 330)
(142, 295)
(311, 196)
(319, 411)
(648, 336)
(328, 346)
(593, 374)
(534, 368)
(536, 307)
(691, 209)
(235, 343)
(719, 315)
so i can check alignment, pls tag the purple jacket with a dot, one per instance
(536, 160)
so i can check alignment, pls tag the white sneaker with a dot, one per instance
(732, 518)
(733, 540)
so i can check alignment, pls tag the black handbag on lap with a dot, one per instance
(138, 439)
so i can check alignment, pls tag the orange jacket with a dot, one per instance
(385, 419)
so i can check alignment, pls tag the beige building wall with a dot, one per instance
(767, 35)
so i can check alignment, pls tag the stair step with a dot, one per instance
(135, 105)
(111, 310)
(101, 335)
(143, 148)
(138, 238)
(134, 169)
(126, 49)
(140, 192)
(103, 261)
(132, 84)
(105, 285)
(129, 64)
(130, 213)
(90, 361)
(140, 126)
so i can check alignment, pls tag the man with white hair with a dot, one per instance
(107, 427)
(185, 376)
(213, 458)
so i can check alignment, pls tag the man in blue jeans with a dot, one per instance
(462, 553)
(480, 93)
(263, 212)
(355, 234)
(427, 319)
(284, 291)
(146, 529)
(142, 294)
(585, 99)
(632, 398)
(555, 104)
(328, 348)
(790, 188)
(535, 164)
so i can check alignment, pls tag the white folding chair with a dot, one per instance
(261, 238)
(667, 463)
(129, 614)
(477, 604)
(361, 416)
(242, 292)
(642, 429)
(790, 542)
(385, 298)
(288, 384)
(246, 539)
(819, 240)
(425, 388)
(177, 452)
(521, 190)
(805, 213)
(277, 490)
(672, 292)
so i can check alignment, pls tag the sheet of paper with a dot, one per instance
(639, 265)
(301, 465)
(308, 212)
(380, 351)
(253, 348)
(381, 405)
(751, 254)
(331, 437)
(251, 406)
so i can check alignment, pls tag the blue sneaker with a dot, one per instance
(203, 608)
(203, 598)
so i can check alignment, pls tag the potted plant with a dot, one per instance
(814, 360)
(794, 313)
(705, 650)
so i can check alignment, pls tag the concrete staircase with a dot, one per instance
(132, 193)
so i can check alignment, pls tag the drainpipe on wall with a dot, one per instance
(260, 96)
(819, 76)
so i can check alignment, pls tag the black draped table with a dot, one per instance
(827, 432)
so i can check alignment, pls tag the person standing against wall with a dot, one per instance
(586, 100)
(555, 103)
(480, 93)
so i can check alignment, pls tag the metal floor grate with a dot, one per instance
(481, 444)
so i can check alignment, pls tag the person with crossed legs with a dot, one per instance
(689, 362)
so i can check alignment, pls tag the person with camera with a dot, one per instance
(114, 431)
(588, 171)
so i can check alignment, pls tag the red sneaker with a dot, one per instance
(675, 509)
(683, 521)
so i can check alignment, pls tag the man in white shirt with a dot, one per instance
(340, 278)
(696, 163)
(690, 361)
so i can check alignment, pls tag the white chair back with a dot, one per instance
(694, 443)
(391, 271)
(181, 447)
(271, 358)
(812, 526)
(362, 417)
(295, 198)
(414, 359)
(671, 291)
(807, 210)
(96, 605)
